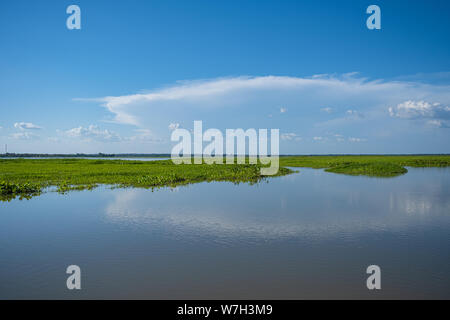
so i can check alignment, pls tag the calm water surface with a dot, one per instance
(307, 235)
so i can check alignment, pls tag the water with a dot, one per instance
(307, 235)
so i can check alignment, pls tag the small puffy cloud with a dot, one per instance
(327, 110)
(24, 136)
(318, 138)
(290, 137)
(26, 126)
(283, 110)
(93, 133)
(353, 113)
(352, 139)
(174, 126)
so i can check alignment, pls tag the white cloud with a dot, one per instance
(360, 106)
(93, 133)
(137, 109)
(354, 113)
(352, 139)
(418, 109)
(327, 110)
(24, 136)
(438, 123)
(143, 135)
(438, 115)
(339, 137)
(26, 126)
(318, 138)
(174, 126)
(290, 137)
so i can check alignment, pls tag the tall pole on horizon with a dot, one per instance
(6, 148)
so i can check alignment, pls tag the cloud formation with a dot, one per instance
(24, 136)
(143, 136)
(435, 113)
(135, 109)
(93, 133)
(26, 126)
(174, 126)
(318, 106)
(290, 137)
(353, 139)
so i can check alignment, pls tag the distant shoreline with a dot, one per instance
(168, 155)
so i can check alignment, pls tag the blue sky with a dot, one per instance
(310, 68)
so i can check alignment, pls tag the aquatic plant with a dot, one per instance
(81, 174)
(368, 165)
(28, 177)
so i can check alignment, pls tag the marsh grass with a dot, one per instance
(372, 166)
(26, 178)
(81, 174)
(9, 191)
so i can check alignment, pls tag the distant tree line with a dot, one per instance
(85, 155)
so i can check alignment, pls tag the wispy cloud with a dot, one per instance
(353, 106)
(354, 114)
(136, 109)
(290, 137)
(143, 136)
(353, 139)
(25, 135)
(93, 133)
(438, 123)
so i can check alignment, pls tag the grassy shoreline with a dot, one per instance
(367, 165)
(26, 178)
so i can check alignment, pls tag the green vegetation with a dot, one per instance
(373, 166)
(28, 177)
(9, 191)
